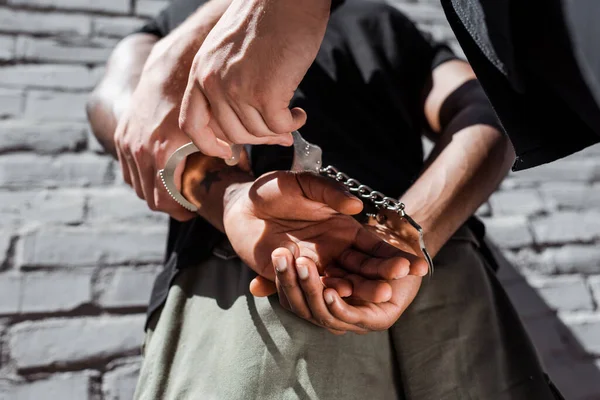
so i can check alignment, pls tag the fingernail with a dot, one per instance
(280, 264)
(329, 298)
(291, 247)
(302, 271)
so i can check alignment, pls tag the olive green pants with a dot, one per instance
(460, 339)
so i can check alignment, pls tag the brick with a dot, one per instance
(150, 8)
(10, 292)
(47, 105)
(116, 26)
(48, 76)
(88, 246)
(27, 170)
(484, 210)
(64, 51)
(11, 102)
(564, 293)
(571, 196)
(5, 239)
(93, 143)
(7, 48)
(594, 283)
(121, 204)
(53, 291)
(586, 330)
(62, 341)
(567, 227)
(576, 258)
(125, 286)
(111, 6)
(529, 262)
(566, 170)
(44, 206)
(41, 137)
(120, 383)
(509, 232)
(16, 21)
(592, 151)
(58, 386)
(516, 202)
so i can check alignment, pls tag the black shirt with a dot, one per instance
(364, 97)
(540, 67)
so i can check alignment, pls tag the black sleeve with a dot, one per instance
(171, 17)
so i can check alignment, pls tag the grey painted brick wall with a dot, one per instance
(78, 250)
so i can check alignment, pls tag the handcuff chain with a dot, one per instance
(380, 201)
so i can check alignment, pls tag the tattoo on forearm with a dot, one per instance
(209, 178)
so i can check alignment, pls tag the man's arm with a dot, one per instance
(111, 96)
(465, 166)
(147, 130)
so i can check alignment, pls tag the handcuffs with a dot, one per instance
(307, 157)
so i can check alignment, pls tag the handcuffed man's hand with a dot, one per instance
(309, 217)
(245, 74)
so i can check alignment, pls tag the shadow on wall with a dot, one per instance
(570, 366)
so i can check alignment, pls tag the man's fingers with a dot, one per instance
(287, 280)
(262, 287)
(369, 243)
(373, 267)
(123, 163)
(284, 120)
(342, 286)
(313, 292)
(373, 291)
(329, 192)
(194, 121)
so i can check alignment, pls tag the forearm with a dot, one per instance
(210, 184)
(110, 97)
(470, 166)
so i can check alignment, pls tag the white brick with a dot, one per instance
(571, 196)
(567, 170)
(116, 6)
(594, 283)
(150, 8)
(516, 202)
(48, 76)
(41, 137)
(5, 238)
(66, 51)
(120, 204)
(484, 210)
(43, 206)
(566, 227)
(84, 246)
(65, 386)
(116, 26)
(11, 102)
(10, 292)
(564, 293)
(52, 291)
(7, 48)
(530, 262)
(119, 384)
(592, 151)
(509, 232)
(576, 258)
(63, 341)
(40, 22)
(46, 105)
(27, 170)
(125, 286)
